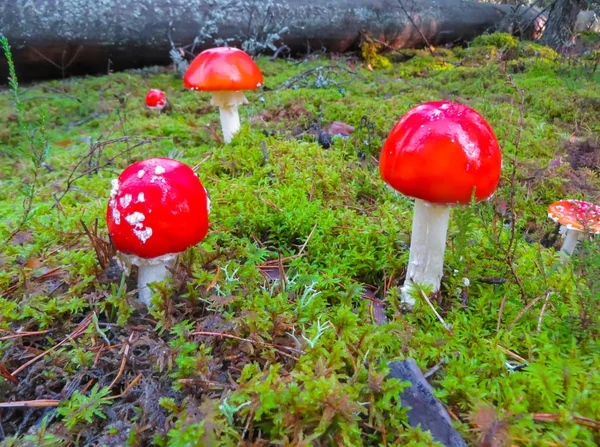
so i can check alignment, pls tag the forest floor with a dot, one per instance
(278, 327)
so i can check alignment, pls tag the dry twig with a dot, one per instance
(263, 343)
(76, 333)
(447, 326)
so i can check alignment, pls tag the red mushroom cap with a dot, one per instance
(223, 68)
(156, 99)
(157, 207)
(576, 215)
(440, 151)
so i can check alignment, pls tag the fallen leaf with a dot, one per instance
(22, 237)
(33, 263)
(64, 143)
(502, 207)
(339, 128)
(556, 162)
(271, 273)
(376, 307)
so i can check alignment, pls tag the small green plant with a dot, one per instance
(80, 409)
(37, 147)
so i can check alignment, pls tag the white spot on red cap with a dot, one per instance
(125, 200)
(141, 173)
(114, 190)
(116, 216)
(135, 219)
(143, 235)
(141, 198)
(159, 170)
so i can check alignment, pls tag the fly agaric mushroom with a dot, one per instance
(440, 153)
(577, 217)
(157, 209)
(225, 72)
(156, 100)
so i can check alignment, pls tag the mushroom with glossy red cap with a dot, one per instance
(157, 209)
(226, 72)
(577, 217)
(156, 100)
(441, 153)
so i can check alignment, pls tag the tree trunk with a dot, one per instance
(56, 38)
(560, 25)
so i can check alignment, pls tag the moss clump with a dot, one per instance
(501, 41)
(590, 36)
(530, 49)
(490, 47)
(370, 53)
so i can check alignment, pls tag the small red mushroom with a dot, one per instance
(440, 153)
(157, 209)
(226, 72)
(156, 100)
(577, 217)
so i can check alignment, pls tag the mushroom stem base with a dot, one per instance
(427, 247)
(228, 103)
(152, 272)
(571, 239)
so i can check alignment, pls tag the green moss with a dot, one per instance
(501, 41)
(370, 53)
(314, 368)
(530, 49)
(590, 36)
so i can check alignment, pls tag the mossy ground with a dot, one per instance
(306, 249)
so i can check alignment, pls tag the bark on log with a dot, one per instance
(560, 25)
(54, 38)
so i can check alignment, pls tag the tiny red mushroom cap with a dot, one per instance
(223, 68)
(156, 99)
(439, 152)
(157, 207)
(576, 215)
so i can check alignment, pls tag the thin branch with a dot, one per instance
(539, 326)
(500, 313)
(429, 47)
(234, 337)
(76, 333)
(447, 326)
(98, 146)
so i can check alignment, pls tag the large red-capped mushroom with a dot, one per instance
(226, 72)
(441, 153)
(577, 217)
(157, 209)
(156, 100)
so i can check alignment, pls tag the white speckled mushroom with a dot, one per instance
(157, 209)
(577, 218)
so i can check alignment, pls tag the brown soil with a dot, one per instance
(584, 158)
(584, 154)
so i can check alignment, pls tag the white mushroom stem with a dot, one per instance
(427, 247)
(228, 103)
(571, 239)
(150, 271)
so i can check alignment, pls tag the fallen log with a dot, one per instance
(58, 38)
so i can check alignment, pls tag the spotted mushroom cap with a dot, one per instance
(156, 99)
(223, 68)
(157, 207)
(440, 152)
(576, 215)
